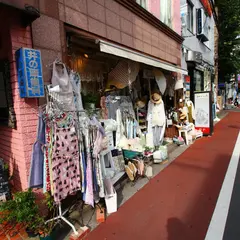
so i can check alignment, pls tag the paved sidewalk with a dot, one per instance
(179, 202)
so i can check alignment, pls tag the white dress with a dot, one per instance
(156, 123)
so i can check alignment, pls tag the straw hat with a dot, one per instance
(141, 103)
(156, 98)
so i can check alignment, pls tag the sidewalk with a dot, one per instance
(178, 203)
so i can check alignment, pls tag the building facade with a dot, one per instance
(198, 51)
(149, 28)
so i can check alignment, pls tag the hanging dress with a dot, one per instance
(36, 171)
(76, 85)
(65, 160)
(47, 159)
(88, 196)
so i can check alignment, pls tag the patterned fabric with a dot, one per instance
(123, 74)
(47, 183)
(65, 161)
(88, 196)
(76, 84)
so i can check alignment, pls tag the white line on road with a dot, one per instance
(218, 222)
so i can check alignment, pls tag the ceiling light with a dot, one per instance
(85, 55)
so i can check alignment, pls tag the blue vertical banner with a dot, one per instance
(29, 69)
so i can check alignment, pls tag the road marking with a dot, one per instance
(218, 222)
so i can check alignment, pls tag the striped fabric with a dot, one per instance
(123, 74)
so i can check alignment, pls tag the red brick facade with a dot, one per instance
(16, 144)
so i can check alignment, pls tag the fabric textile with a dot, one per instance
(123, 103)
(156, 114)
(64, 95)
(65, 162)
(157, 139)
(190, 104)
(76, 85)
(36, 170)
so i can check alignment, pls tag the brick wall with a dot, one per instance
(110, 20)
(105, 18)
(16, 144)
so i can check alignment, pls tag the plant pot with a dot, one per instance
(30, 233)
(90, 106)
(46, 238)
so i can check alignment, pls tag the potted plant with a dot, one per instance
(90, 101)
(21, 210)
(47, 228)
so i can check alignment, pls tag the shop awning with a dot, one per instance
(120, 51)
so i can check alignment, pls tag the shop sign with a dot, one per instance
(207, 6)
(203, 109)
(29, 69)
(187, 86)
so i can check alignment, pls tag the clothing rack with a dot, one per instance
(61, 216)
(61, 213)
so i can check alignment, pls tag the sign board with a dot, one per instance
(187, 85)
(207, 6)
(29, 69)
(203, 109)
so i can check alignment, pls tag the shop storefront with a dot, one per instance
(110, 107)
(112, 115)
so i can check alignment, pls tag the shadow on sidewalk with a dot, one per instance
(176, 226)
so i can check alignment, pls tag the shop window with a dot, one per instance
(166, 12)
(143, 3)
(190, 16)
(7, 115)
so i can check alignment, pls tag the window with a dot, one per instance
(166, 12)
(142, 3)
(190, 16)
(7, 115)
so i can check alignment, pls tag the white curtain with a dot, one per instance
(166, 12)
(143, 3)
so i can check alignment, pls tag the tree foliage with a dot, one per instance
(229, 38)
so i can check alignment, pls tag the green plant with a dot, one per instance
(21, 210)
(46, 228)
(148, 149)
(90, 98)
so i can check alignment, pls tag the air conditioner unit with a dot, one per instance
(193, 56)
(202, 25)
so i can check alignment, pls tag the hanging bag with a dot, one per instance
(65, 94)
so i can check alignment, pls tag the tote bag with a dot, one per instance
(65, 98)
